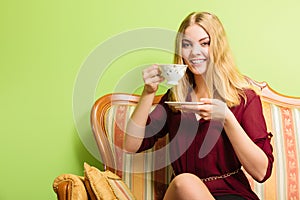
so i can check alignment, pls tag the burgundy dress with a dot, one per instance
(202, 147)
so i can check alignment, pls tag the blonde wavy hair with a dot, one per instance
(223, 79)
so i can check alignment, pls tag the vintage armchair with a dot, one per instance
(108, 120)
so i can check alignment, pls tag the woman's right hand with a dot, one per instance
(152, 78)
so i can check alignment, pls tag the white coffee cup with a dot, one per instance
(172, 72)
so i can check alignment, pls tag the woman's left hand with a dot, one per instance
(211, 109)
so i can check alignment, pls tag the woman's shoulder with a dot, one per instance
(249, 92)
(250, 95)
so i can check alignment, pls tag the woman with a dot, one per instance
(210, 141)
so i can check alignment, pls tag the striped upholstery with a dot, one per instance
(284, 183)
(283, 120)
(153, 183)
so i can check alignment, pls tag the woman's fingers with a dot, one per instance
(202, 110)
(152, 78)
(152, 74)
(210, 109)
(151, 71)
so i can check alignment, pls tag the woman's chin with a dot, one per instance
(198, 69)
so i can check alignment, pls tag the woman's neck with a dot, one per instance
(200, 89)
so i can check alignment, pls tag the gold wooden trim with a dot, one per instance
(272, 96)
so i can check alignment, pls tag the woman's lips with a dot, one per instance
(197, 61)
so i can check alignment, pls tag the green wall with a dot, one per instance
(45, 43)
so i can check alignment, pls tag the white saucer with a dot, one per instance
(178, 104)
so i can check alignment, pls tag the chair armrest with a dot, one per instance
(69, 187)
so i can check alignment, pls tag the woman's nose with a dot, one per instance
(196, 49)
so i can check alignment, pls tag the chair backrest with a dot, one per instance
(109, 117)
(111, 112)
(282, 114)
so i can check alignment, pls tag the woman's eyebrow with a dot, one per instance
(188, 40)
(203, 39)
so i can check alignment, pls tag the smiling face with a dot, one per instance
(195, 47)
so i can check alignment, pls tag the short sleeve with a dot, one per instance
(156, 126)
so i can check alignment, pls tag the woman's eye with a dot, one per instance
(205, 44)
(186, 45)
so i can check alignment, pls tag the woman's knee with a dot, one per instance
(187, 181)
(184, 179)
(187, 186)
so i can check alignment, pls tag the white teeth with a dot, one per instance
(197, 61)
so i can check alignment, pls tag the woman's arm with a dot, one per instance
(136, 126)
(253, 159)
